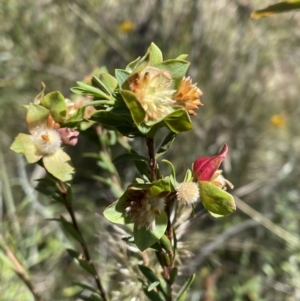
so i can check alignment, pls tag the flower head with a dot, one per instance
(188, 95)
(46, 140)
(152, 88)
(126, 26)
(278, 121)
(44, 143)
(188, 192)
(143, 208)
(206, 169)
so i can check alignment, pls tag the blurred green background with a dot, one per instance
(249, 73)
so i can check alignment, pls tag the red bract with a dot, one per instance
(205, 167)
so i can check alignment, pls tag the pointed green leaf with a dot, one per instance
(85, 89)
(137, 112)
(59, 165)
(280, 7)
(36, 115)
(132, 65)
(70, 229)
(153, 285)
(130, 156)
(155, 55)
(166, 144)
(56, 104)
(116, 213)
(85, 286)
(105, 82)
(188, 176)
(215, 199)
(148, 273)
(176, 68)
(160, 186)
(173, 275)
(183, 291)
(76, 117)
(173, 172)
(179, 121)
(108, 118)
(144, 238)
(82, 262)
(182, 57)
(23, 145)
(153, 296)
(121, 76)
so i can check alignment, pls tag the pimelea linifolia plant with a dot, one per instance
(140, 100)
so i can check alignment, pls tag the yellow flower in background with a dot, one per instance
(126, 26)
(278, 120)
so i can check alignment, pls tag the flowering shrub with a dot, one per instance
(149, 94)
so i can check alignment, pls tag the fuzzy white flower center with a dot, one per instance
(188, 192)
(47, 141)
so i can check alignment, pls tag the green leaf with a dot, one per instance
(70, 229)
(82, 262)
(85, 286)
(107, 118)
(132, 65)
(280, 7)
(153, 296)
(173, 173)
(215, 199)
(141, 166)
(188, 176)
(105, 82)
(153, 285)
(182, 293)
(85, 89)
(76, 117)
(173, 275)
(165, 241)
(182, 57)
(121, 76)
(215, 215)
(166, 144)
(144, 238)
(56, 104)
(23, 145)
(137, 112)
(155, 55)
(179, 121)
(176, 68)
(115, 212)
(36, 115)
(148, 273)
(130, 156)
(59, 165)
(160, 186)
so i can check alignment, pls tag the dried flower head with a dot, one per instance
(153, 90)
(143, 208)
(188, 192)
(218, 180)
(188, 95)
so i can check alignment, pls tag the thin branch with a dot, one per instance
(152, 162)
(18, 268)
(82, 242)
